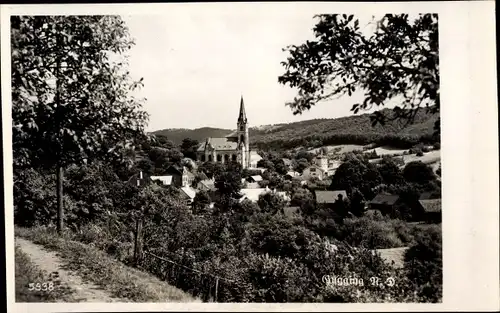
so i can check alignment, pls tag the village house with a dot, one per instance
(188, 193)
(251, 185)
(291, 211)
(254, 159)
(254, 179)
(431, 210)
(206, 185)
(164, 180)
(288, 163)
(314, 171)
(331, 201)
(385, 203)
(253, 194)
(181, 176)
(140, 180)
(290, 175)
(321, 162)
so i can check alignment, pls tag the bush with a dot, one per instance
(424, 263)
(34, 198)
(363, 232)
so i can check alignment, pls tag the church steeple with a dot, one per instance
(242, 117)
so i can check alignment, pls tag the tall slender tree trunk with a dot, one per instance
(60, 201)
(59, 167)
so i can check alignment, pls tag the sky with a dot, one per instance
(197, 66)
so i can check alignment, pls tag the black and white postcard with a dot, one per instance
(255, 156)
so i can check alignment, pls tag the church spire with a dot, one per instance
(242, 117)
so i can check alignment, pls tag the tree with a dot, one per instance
(201, 202)
(400, 59)
(356, 173)
(418, 172)
(228, 182)
(425, 265)
(271, 202)
(301, 165)
(70, 92)
(357, 202)
(188, 148)
(391, 174)
(265, 163)
(211, 169)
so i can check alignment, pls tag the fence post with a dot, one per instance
(216, 288)
(137, 241)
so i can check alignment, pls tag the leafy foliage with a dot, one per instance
(64, 76)
(400, 59)
(356, 173)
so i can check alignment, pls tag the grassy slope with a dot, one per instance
(350, 125)
(96, 266)
(26, 272)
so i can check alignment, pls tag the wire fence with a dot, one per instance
(203, 285)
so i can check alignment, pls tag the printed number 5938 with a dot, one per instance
(41, 286)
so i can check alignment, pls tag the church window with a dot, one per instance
(242, 128)
(203, 158)
(234, 157)
(210, 158)
(226, 157)
(219, 158)
(242, 138)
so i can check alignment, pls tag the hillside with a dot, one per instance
(355, 129)
(176, 135)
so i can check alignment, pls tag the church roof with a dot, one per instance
(243, 116)
(224, 143)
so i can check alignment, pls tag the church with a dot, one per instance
(233, 147)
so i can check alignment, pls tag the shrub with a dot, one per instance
(424, 263)
(34, 198)
(363, 232)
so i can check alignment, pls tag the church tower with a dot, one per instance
(243, 140)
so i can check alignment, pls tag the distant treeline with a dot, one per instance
(315, 141)
(355, 129)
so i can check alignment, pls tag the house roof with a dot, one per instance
(427, 196)
(210, 184)
(291, 210)
(386, 199)
(293, 174)
(284, 194)
(431, 205)
(252, 186)
(393, 256)
(287, 162)
(137, 181)
(317, 167)
(256, 178)
(254, 156)
(329, 196)
(252, 194)
(166, 180)
(220, 143)
(189, 192)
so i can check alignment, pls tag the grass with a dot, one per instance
(28, 273)
(99, 268)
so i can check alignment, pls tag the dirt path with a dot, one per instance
(51, 263)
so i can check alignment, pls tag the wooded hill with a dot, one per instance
(355, 129)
